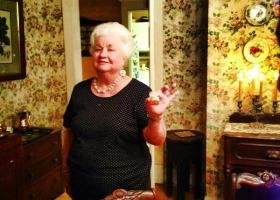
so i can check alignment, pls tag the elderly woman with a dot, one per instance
(109, 120)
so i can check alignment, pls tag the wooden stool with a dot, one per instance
(185, 147)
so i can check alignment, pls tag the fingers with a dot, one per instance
(167, 90)
(165, 95)
(158, 101)
(172, 96)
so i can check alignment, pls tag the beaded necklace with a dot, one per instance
(111, 86)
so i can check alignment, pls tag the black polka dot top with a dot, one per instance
(108, 143)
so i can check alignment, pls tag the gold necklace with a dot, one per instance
(111, 86)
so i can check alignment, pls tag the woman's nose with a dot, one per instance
(104, 53)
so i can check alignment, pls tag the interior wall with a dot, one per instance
(185, 63)
(43, 91)
(228, 33)
(101, 10)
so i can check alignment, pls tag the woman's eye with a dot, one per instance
(111, 49)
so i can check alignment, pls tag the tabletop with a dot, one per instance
(184, 135)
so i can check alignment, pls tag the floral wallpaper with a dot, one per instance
(212, 89)
(43, 92)
(228, 33)
(203, 53)
(185, 56)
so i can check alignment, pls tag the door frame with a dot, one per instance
(73, 57)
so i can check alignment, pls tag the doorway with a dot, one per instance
(132, 14)
(73, 56)
(139, 25)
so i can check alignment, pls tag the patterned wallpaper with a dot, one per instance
(207, 77)
(43, 92)
(228, 32)
(185, 53)
(185, 62)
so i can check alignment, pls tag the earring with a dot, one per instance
(122, 72)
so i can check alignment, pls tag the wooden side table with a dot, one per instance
(183, 151)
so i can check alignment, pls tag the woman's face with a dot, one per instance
(107, 54)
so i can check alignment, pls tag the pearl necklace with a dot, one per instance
(108, 88)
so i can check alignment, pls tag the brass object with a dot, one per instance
(22, 121)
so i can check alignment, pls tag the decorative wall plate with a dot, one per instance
(258, 13)
(256, 50)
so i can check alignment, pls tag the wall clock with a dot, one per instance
(258, 13)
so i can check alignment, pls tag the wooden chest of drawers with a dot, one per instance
(11, 168)
(252, 166)
(42, 163)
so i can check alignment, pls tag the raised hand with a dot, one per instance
(159, 101)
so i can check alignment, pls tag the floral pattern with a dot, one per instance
(184, 34)
(204, 61)
(43, 92)
(228, 32)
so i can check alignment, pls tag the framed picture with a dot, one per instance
(12, 48)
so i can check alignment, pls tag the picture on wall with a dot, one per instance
(5, 37)
(12, 46)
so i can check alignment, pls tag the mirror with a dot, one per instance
(12, 50)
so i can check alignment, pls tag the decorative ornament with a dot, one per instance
(258, 13)
(122, 73)
(256, 50)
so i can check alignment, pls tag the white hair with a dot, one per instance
(117, 30)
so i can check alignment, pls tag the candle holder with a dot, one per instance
(274, 107)
(255, 99)
(239, 105)
(258, 108)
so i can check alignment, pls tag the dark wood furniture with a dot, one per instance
(252, 166)
(182, 152)
(11, 167)
(267, 118)
(42, 161)
(132, 194)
